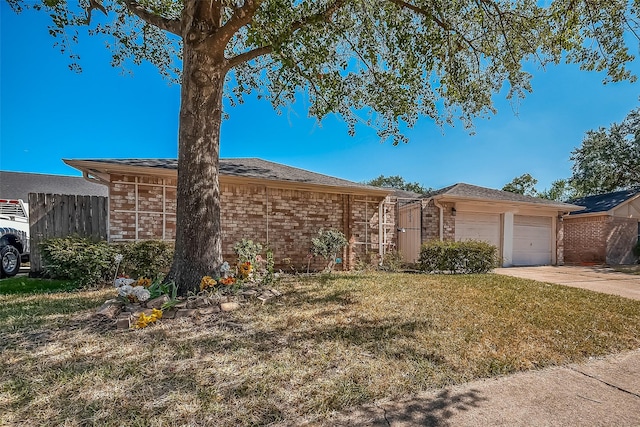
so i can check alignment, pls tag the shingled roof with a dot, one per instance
(238, 167)
(605, 202)
(18, 185)
(474, 192)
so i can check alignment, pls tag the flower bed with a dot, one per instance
(142, 302)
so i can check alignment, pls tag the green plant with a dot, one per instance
(269, 276)
(79, 259)
(159, 287)
(457, 257)
(147, 258)
(327, 244)
(173, 296)
(392, 261)
(247, 251)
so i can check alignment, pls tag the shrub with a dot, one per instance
(148, 258)
(247, 251)
(392, 261)
(458, 257)
(79, 259)
(327, 245)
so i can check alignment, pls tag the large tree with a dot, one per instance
(609, 159)
(383, 62)
(524, 184)
(561, 190)
(398, 182)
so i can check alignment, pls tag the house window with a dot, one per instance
(638, 231)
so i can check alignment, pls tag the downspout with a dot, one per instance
(381, 238)
(435, 202)
(266, 195)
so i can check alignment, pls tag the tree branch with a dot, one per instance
(248, 56)
(171, 25)
(241, 17)
(405, 5)
(295, 26)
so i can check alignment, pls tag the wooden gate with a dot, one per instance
(409, 214)
(58, 215)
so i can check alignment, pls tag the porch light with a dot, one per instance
(453, 211)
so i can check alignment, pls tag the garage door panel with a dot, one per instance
(478, 226)
(532, 240)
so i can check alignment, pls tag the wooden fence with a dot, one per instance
(58, 215)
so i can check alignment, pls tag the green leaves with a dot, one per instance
(398, 182)
(383, 63)
(524, 184)
(609, 159)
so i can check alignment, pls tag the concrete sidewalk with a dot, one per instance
(601, 392)
(599, 279)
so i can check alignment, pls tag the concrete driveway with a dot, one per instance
(599, 279)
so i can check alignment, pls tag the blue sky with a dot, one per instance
(49, 112)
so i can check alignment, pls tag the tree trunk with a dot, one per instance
(198, 246)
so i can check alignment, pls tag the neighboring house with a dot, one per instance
(18, 185)
(277, 205)
(606, 231)
(526, 230)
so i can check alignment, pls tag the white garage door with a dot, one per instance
(478, 226)
(532, 240)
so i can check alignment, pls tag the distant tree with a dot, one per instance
(609, 159)
(561, 191)
(524, 184)
(398, 182)
(392, 61)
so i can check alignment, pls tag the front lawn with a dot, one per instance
(23, 285)
(327, 344)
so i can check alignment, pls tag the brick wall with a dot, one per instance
(622, 236)
(585, 239)
(285, 219)
(431, 222)
(602, 239)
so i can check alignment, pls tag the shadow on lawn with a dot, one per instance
(430, 411)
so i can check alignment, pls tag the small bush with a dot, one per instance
(148, 258)
(82, 260)
(327, 245)
(458, 257)
(247, 251)
(392, 261)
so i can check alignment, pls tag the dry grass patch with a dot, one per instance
(327, 344)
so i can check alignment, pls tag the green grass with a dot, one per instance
(327, 344)
(23, 285)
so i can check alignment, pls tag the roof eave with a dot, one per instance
(103, 169)
(565, 207)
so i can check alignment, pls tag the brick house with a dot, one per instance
(284, 207)
(525, 230)
(277, 205)
(606, 231)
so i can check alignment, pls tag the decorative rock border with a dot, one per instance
(203, 304)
